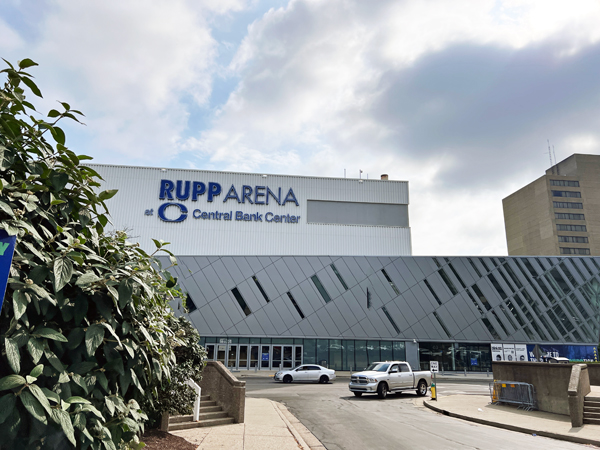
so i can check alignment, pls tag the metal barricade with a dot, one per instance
(513, 392)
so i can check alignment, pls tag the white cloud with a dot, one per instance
(448, 95)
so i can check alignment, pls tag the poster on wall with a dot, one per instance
(509, 352)
(521, 352)
(497, 352)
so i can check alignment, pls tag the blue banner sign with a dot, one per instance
(575, 353)
(7, 249)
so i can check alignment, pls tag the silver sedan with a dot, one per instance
(306, 372)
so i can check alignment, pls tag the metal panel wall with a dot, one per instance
(135, 208)
(567, 317)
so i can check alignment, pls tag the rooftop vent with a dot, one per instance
(384, 176)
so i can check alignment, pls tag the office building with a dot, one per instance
(559, 213)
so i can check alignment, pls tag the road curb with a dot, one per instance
(509, 427)
(299, 431)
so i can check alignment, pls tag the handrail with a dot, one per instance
(198, 390)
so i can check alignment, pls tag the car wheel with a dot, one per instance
(422, 388)
(324, 379)
(287, 379)
(382, 390)
(358, 394)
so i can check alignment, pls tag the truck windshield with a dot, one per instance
(379, 367)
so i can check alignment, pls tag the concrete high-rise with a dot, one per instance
(559, 213)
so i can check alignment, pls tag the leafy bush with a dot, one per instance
(86, 332)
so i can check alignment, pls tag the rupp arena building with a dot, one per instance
(331, 281)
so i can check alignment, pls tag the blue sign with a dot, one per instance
(575, 353)
(255, 195)
(7, 249)
(265, 356)
(474, 362)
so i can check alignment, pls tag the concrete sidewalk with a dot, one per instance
(477, 408)
(268, 426)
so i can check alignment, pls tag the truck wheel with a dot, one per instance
(358, 394)
(324, 379)
(422, 388)
(287, 379)
(382, 390)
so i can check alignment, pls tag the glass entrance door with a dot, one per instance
(210, 352)
(243, 357)
(276, 360)
(254, 361)
(288, 358)
(232, 356)
(221, 349)
(265, 357)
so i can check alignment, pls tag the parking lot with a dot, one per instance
(344, 422)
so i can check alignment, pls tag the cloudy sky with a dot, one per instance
(457, 97)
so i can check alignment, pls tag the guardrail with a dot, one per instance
(514, 393)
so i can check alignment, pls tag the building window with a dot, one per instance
(513, 310)
(487, 269)
(320, 288)
(497, 286)
(337, 274)
(448, 282)
(387, 314)
(513, 276)
(457, 276)
(437, 299)
(571, 194)
(289, 294)
(241, 301)
(442, 324)
(260, 288)
(474, 267)
(491, 329)
(569, 216)
(389, 280)
(563, 227)
(574, 251)
(189, 304)
(570, 205)
(500, 322)
(482, 298)
(475, 302)
(568, 183)
(574, 239)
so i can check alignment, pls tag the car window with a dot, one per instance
(394, 368)
(379, 367)
(301, 368)
(314, 368)
(404, 368)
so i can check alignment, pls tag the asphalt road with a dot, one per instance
(343, 422)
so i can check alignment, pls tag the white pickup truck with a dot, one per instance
(389, 376)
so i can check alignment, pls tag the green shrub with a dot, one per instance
(86, 331)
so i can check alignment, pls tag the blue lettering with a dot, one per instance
(196, 213)
(290, 197)
(214, 189)
(247, 193)
(199, 188)
(166, 187)
(227, 216)
(239, 215)
(277, 198)
(257, 194)
(183, 210)
(232, 194)
(269, 216)
(182, 195)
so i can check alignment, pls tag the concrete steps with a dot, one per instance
(210, 415)
(591, 409)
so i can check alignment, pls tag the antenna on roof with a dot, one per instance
(554, 154)
(550, 156)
